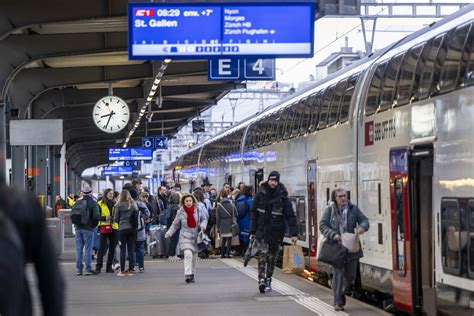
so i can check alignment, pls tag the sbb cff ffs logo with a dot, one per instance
(144, 12)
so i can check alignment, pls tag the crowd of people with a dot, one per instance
(120, 223)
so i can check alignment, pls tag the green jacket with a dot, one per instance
(95, 211)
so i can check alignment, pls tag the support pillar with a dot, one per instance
(18, 167)
(41, 164)
(3, 143)
(55, 174)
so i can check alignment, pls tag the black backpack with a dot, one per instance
(12, 267)
(134, 218)
(81, 213)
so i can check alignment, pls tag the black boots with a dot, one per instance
(189, 278)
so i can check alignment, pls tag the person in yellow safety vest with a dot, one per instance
(108, 230)
(70, 200)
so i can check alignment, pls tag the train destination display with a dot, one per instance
(137, 153)
(116, 170)
(186, 31)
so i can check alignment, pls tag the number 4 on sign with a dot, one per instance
(258, 67)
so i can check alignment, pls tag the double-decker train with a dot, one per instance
(396, 129)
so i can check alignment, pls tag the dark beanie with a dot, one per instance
(133, 193)
(274, 175)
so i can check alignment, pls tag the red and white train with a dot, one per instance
(396, 129)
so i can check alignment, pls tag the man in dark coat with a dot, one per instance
(269, 210)
(341, 216)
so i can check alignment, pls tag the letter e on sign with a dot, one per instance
(224, 67)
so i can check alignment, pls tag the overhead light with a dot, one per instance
(121, 177)
(149, 99)
(167, 61)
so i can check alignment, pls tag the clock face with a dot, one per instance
(111, 114)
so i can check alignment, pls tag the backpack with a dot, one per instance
(11, 267)
(165, 217)
(80, 213)
(242, 208)
(141, 220)
(134, 219)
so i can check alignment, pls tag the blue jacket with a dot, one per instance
(244, 223)
(329, 223)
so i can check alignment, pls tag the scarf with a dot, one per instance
(190, 212)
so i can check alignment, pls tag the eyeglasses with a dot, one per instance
(342, 196)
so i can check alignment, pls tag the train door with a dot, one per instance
(256, 178)
(312, 213)
(411, 173)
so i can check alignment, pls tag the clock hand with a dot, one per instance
(107, 115)
(108, 121)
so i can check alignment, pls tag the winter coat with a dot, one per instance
(157, 208)
(144, 215)
(122, 215)
(187, 235)
(244, 223)
(225, 214)
(269, 210)
(331, 218)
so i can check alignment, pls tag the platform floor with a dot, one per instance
(223, 287)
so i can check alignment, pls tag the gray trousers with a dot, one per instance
(342, 280)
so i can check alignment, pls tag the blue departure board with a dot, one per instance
(122, 154)
(213, 30)
(116, 170)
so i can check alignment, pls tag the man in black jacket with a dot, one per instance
(269, 210)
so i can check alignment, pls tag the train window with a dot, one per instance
(298, 113)
(346, 100)
(289, 121)
(268, 130)
(389, 82)
(399, 195)
(306, 115)
(373, 95)
(469, 74)
(277, 120)
(470, 251)
(323, 115)
(450, 236)
(336, 101)
(454, 62)
(426, 78)
(315, 112)
(262, 131)
(407, 76)
(281, 125)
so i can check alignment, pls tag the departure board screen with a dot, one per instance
(122, 154)
(186, 31)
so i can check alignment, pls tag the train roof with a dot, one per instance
(459, 17)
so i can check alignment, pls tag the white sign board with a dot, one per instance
(36, 132)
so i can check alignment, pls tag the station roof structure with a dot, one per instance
(57, 58)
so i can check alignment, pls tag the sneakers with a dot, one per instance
(141, 270)
(92, 272)
(97, 270)
(121, 274)
(338, 308)
(78, 273)
(192, 278)
(130, 273)
(187, 278)
(262, 286)
(268, 283)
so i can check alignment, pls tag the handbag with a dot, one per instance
(351, 242)
(235, 227)
(106, 229)
(333, 253)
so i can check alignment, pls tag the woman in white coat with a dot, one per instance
(191, 221)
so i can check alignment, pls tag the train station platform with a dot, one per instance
(223, 287)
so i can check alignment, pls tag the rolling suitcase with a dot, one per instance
(158, 244)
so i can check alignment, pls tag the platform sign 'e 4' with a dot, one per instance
(161, 142)
(241, 69)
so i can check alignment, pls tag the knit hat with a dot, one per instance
(86, 188)
(133, 193)
(274, 175)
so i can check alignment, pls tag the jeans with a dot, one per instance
(127, 241)
(342, 280)
(112, 242)
(140, 253)
(267, 260)
(226, 246)
(83, 244)
(190, 258)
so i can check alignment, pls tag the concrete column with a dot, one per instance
(70, 181)
(3, 143)
(18, 167)
(41, 164)
(55, 163)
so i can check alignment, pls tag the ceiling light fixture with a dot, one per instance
(151, 94)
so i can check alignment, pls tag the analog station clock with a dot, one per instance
(111, 114)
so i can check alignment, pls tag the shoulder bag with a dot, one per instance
(235, 227)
